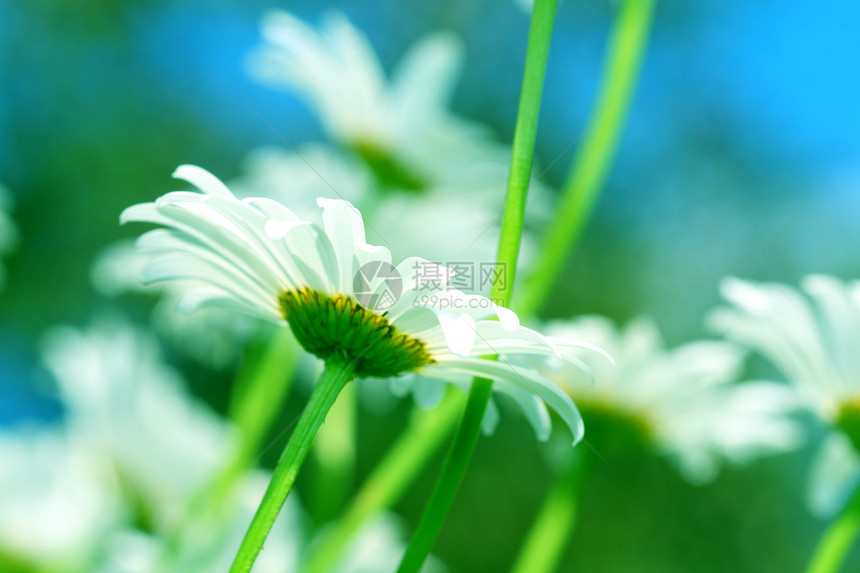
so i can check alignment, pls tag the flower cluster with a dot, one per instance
(102, 490)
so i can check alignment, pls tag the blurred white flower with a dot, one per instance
(58, 499)
(102, 492)
(402, 123)
(211, 546)
(130, 408)
(378, 546)
(8, 230)
(680, 402)
(340, 295)
(813, 338)
(398, 140)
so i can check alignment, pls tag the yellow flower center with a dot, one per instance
(848, 420)
(325, 325)
(613, 430)
(389, 172)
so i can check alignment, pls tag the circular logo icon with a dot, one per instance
(377, 285)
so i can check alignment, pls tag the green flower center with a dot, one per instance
(614, 431)
(388, 171)
(848, 420)
(327, 325)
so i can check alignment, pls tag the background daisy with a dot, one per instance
(813, 337)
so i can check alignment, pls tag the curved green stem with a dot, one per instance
(336, 374)
(449, 478)
(837, 539)
(426, 431)
(592, 161)
(551, 530)
(466, 436)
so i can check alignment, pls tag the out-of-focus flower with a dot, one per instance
(813, 338)
(8, 231)
(341, 296)
(102, 492)
(681, 403)
(58, 499)
(124, 402)
(376, 547)
(213, 545)
(400, 126)
(130, 451)
(397, 137)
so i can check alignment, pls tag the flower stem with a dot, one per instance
(592, 161)
(338, 371)
(545, 543)
(450, 477)
(837, 539)
(469, 428)
(426, 431)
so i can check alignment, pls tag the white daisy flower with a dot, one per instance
(681, 402)
(8, 231)
(130, 451)
(446, 171)
(813, 338)
(384, 120)
(130, 408)
(378, 546)
(58, 501)
(211, 546)
(342, 296)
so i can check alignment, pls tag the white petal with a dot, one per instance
(202, 179)
(459, 332)
(425, 77)
(428, 391)
(491, 418)
(834, 475)
(526, 379)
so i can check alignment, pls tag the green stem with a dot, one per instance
(449, 478)
(466, 436)
(551, 530)
(837, 540)
(522, 152)
(426, 431)
(592, 161)
(336, 374)
(334, 458)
